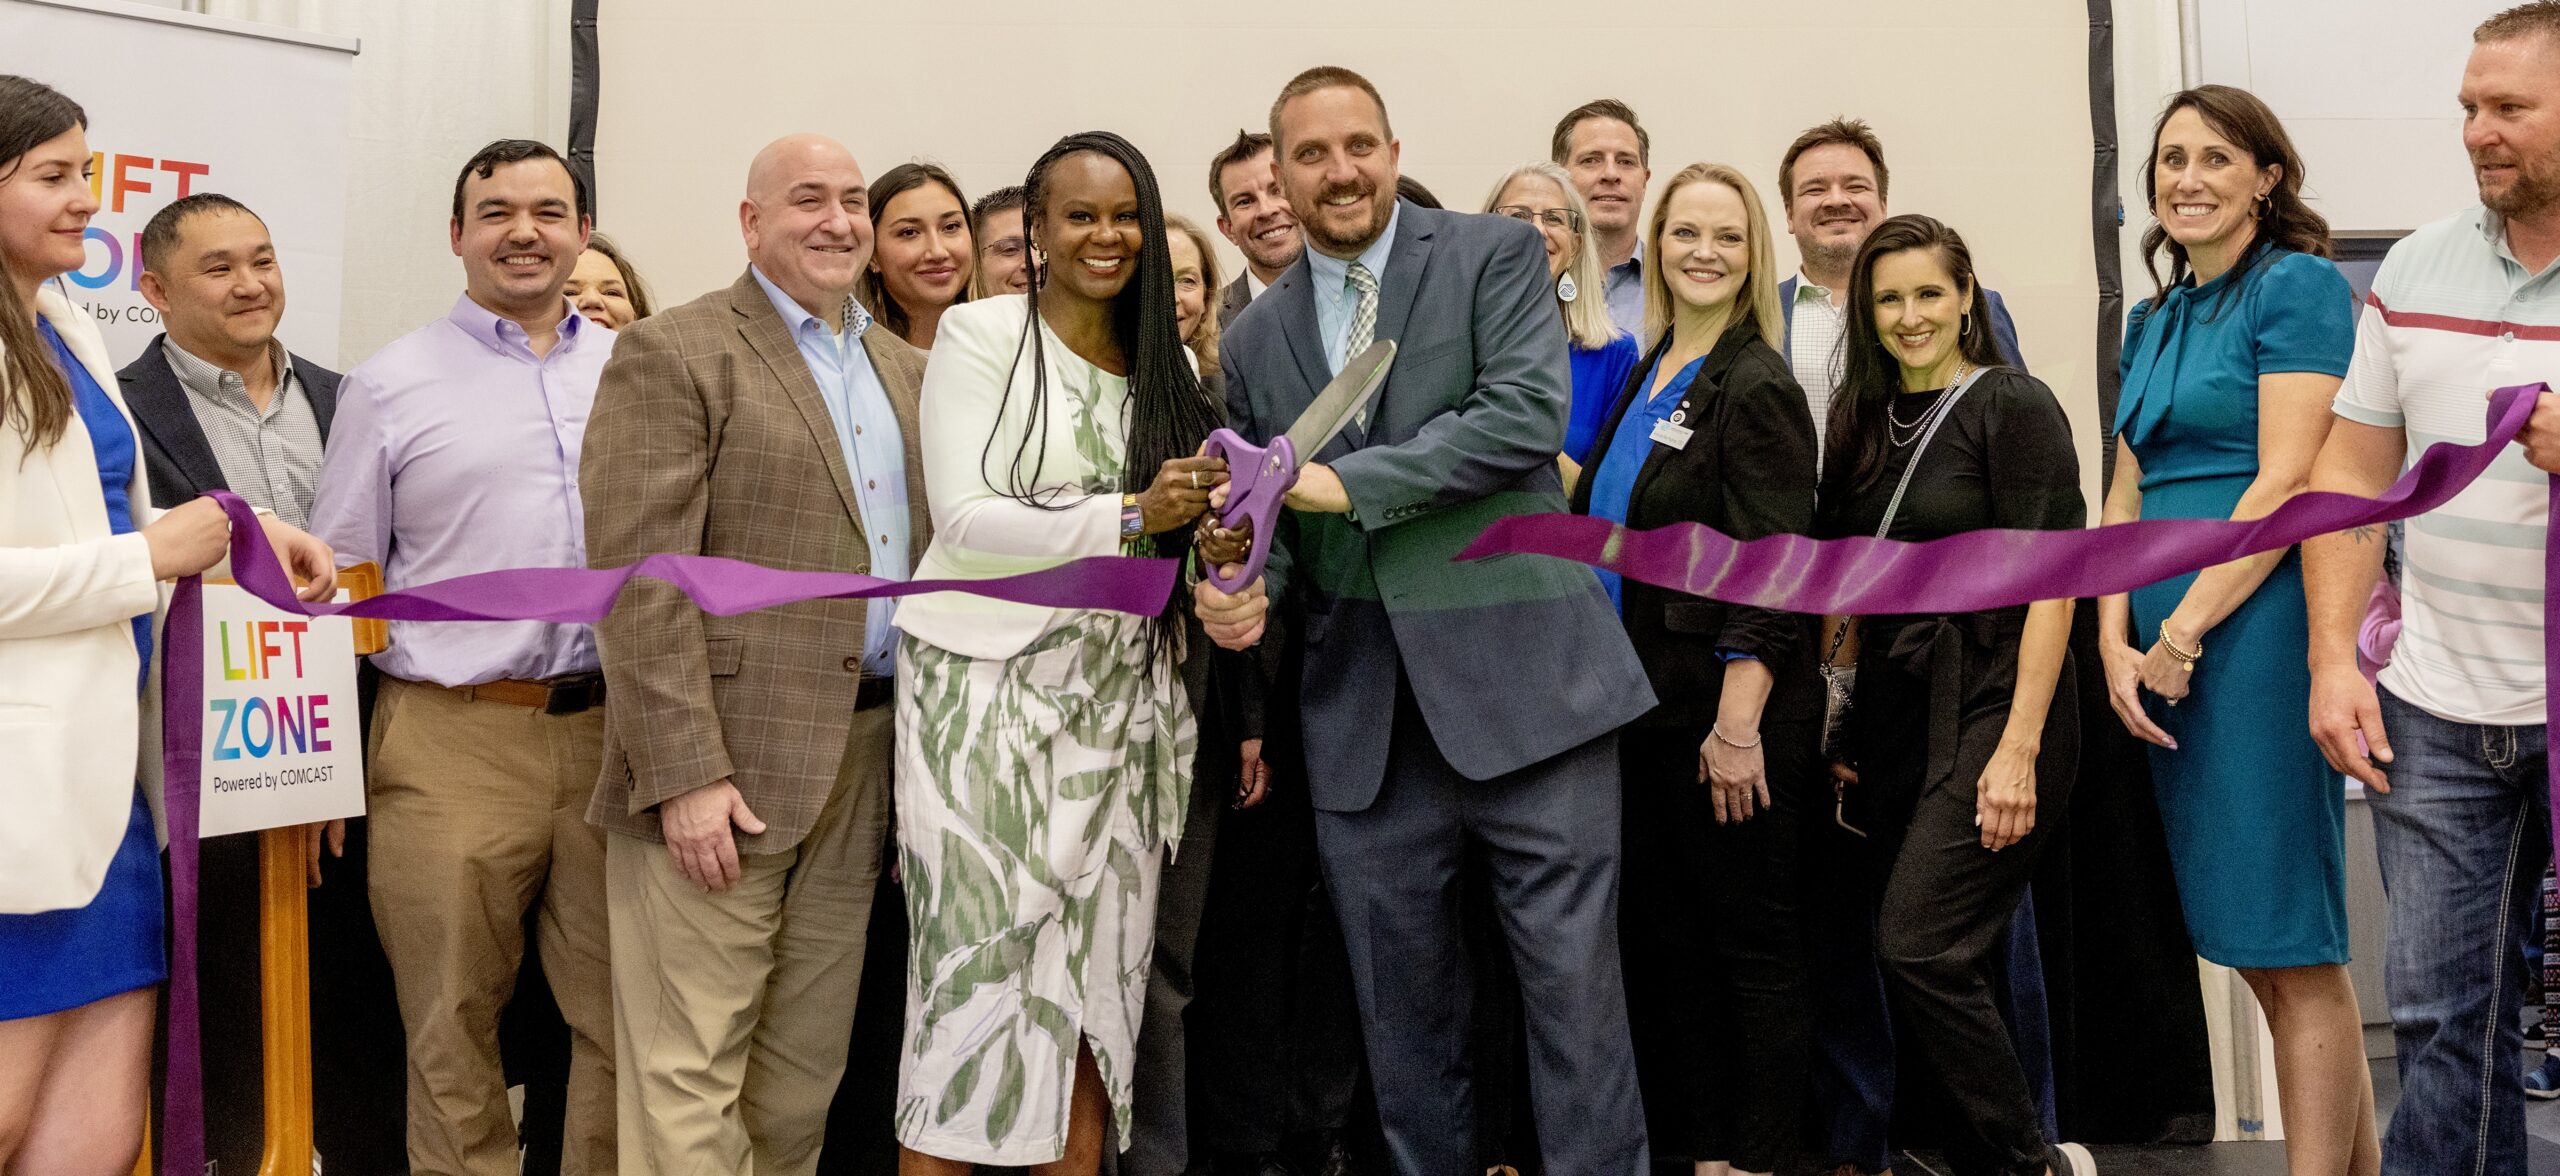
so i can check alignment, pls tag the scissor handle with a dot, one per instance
(1258, 478)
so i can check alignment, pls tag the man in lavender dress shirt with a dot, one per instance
(456, 451)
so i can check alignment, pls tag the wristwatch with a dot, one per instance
(1133, 522)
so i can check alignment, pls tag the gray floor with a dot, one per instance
(2542, 1122)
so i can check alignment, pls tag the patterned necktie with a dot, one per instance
(1364, 323)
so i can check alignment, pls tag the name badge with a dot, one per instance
(1674, 432)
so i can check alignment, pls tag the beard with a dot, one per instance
(1830, 258)
(2535, 189)
(1311, 221)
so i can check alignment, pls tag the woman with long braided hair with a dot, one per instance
(1045, 755)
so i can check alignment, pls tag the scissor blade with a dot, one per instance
(1342, 399)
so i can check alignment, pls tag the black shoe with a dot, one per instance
(1258, 1164)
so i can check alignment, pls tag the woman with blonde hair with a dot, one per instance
(1195, 279)
(1543, 195)
(1712, 428)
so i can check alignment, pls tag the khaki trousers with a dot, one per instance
(478, 815)
(732, 1011)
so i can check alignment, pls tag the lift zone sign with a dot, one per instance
(282, 743)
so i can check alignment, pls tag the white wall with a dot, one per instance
(435, 82)
(2366, 88)
(1983, 107)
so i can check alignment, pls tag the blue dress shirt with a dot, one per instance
(1335, 297)
(874, 451)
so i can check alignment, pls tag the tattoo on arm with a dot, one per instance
(2364, 534)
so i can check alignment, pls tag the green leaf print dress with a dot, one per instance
(1035, 797)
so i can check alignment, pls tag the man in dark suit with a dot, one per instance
(1255, 216)
(220, 404)
(1445, 704)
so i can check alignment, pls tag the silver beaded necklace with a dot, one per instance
(1902, 434)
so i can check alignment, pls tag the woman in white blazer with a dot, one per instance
(82, 558)
(1044, 755)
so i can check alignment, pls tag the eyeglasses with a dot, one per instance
(1553, 218)
(1005, 248)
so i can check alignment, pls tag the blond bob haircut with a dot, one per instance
(1586, 318)
(1758, 298)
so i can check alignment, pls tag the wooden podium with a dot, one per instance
(284, 956)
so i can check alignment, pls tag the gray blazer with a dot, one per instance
(1232, 300)
(1513, 659)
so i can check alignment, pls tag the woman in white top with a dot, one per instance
(82, 555)
(1044, 754)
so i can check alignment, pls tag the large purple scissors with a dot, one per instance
(1258, 478)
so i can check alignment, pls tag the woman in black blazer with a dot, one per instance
(1721, 774)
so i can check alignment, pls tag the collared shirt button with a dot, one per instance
(871, 483)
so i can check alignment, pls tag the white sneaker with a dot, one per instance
(2082, 1163)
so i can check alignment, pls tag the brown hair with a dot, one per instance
(2284, 221)
(1247, 145)
(2541, 16)
(1843, 131)
(1326, 77)
(904, 178)
(634, 291)
(35, 394)
(1854, 445)
(1599, 108)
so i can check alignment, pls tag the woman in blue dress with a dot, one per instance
(82, 555)
(2228, 373)
(1603, 356)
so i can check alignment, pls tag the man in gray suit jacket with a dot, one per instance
(1443, 703)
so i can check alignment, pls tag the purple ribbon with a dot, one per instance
(1867, 576)
(721, 587)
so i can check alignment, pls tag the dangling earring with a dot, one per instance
(1964, 324)
(1566, 291)
(2264, 206)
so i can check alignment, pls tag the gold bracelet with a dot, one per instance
(1718, 733)
(2185, 657)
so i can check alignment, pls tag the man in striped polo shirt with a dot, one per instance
(2457, 756)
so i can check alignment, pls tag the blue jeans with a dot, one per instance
(2462, 837)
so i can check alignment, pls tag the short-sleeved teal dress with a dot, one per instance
(2256, 819)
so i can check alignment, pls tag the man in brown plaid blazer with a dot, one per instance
(746, 761)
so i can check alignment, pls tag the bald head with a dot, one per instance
(806, 218)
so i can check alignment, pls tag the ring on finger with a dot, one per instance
(1195, 479)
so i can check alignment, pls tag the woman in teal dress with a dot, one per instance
(2228, 373)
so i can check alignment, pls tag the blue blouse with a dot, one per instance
(2192, 358)
(1599, 374)
(112, 441)
(1613, 484)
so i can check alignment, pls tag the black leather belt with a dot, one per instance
(874, 692)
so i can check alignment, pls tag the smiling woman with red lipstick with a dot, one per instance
(1959, 747)
(921, 251)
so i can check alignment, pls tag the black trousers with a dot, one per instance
(1710, 923)
(1275, 1032)
(1946, 898)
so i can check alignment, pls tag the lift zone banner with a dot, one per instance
(282, 744)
